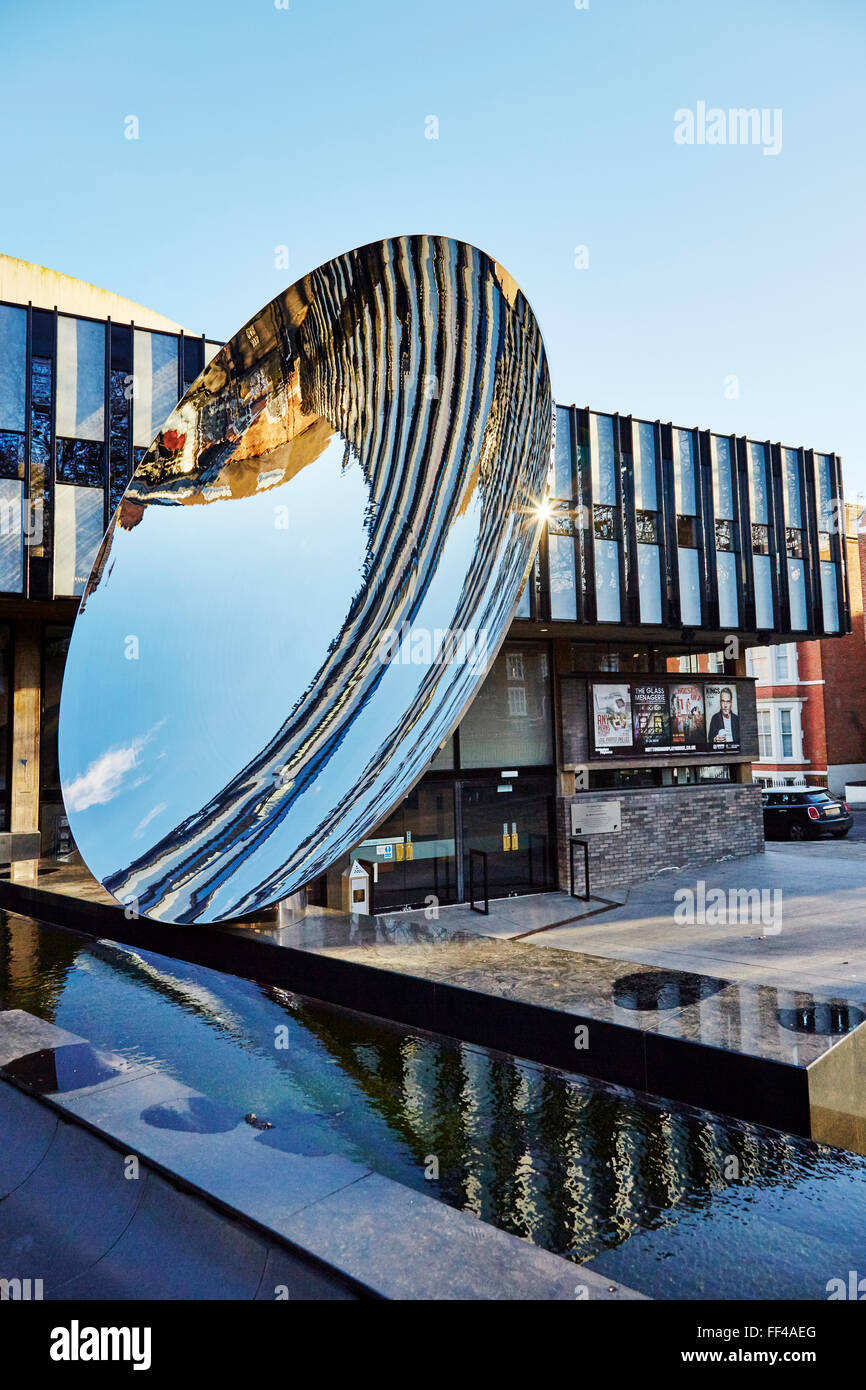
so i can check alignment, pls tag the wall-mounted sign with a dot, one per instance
(595, 817)
(664, 715)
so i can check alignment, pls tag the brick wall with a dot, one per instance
(663, 826)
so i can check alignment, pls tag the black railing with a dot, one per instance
(482, 855)
(573, 842)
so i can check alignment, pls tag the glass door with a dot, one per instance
(512, 822)
(414, 850)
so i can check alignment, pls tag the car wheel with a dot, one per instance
(840, 834)
(797, 832)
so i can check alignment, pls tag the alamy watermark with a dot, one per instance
(718, 907)
(420, 646)
(712, 125)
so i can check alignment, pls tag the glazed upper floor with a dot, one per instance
(656, 531)
(659, 529)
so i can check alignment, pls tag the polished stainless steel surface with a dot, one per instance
(303, 586)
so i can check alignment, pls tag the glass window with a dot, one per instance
(603, 461)
(210, 351)
(791, 485)
(829, 601)
(765, 735)
(684, 472)
(80, 379)
(758, 483)
(563, 486)
(607, 581)
(786, 732)
(782, 658)
(522, 610)
(80, 461)
(643, 444)
(41, 384)
(443, 761)
(690, 588)
(726, 573)
(797, 595)
(563, 595)
(509, 722)
(763, 591)
(78, 523)
(824, 490)
(723, 478)
(649, 583)
(11, 536)
(155, 387)
(13, 367)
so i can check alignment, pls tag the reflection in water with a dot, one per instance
(366, 457)
(571, 1164)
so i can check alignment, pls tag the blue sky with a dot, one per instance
(305, 127)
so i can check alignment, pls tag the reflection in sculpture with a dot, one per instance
(306, 579)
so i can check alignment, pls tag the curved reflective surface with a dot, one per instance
(306, 580)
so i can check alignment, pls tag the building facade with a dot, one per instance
(620, 710)
(811, 721)
(86, 380)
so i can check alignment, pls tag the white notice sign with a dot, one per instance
(595, 817)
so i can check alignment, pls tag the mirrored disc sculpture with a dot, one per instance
(304, 584)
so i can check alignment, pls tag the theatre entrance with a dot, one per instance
(421, 854)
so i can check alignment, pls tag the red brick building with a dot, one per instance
(811, 696)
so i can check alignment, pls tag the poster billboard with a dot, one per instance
(652, 723)
(657, 715)
(611, 717)
(723, 718)
(688, 721)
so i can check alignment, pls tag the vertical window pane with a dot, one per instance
(787, 737)
(508, 723)
(11, 535)
(797, 595)
(649, 583)
(13, 367)
(563, 597)
(562, 483)
(80, 379)
(690, 588)
(723, 478)
(765, 735)
(603, 465)
(41, 383)
(763, 591)
(791, 482)
(824, 490)
(643, 443)
(829, 600)
(155, 390)
(758, 484)
(607, 581)
(78, 522)
(684, 472)
(726, 571)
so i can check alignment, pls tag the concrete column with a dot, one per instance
(26, 717)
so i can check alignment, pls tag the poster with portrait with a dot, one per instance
(611, 711)
(688, 724)
(723, 718)
(652, 724)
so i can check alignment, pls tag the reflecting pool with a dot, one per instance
(673, 1201)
